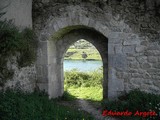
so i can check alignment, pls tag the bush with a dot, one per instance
(82, 79)
(133, 101)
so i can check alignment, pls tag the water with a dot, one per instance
(81, 65)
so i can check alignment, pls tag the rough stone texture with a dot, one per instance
(128, 38)
(23, 79)
(19, 11)
(131, 29)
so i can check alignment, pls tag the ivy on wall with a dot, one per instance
(14, 43)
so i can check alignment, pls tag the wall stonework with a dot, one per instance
(20, 12)
(130, 51)
(131, 27)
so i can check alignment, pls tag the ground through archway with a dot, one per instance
(83, 71)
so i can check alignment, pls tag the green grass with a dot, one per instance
(87, 93)
(84, 85)
(92, 54)
(35, 106)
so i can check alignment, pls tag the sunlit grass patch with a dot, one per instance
(88, 93)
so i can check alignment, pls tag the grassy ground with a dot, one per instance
(87, 93)
(84, 85)
(92, 54)
(35, 106)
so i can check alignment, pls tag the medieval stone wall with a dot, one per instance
(20, 12)
(132, 28)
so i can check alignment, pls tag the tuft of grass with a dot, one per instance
(16, 105)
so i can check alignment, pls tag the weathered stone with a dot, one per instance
(141, 59)
(145, 65)
(130, 52)
(118, 49)
(152, 59)
(134, 65)
(132, 40)
(156, 65)
(122, 75)
(136, 75)
(145, 43)
(115, 40)
(152, 52)
(129, 49)
(136, 81)
(131, 58)
(140, 48)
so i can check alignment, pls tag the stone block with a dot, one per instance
(132, 40)
(134, 65)
(152, 53)
(156, 65)
(140, 48)
(111, 49)
(152, 59)
(131, 59)
(145, 65)
(119, 62)
(118, 49)
(136, 81)
(115, 40)
(141, 59)
(129, 49)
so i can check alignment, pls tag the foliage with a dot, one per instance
(133, 101)
(15, 43)
(82, 79)
(83, 85)
(16, 105)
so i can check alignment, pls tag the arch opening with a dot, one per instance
(56, 48)
(83, 71)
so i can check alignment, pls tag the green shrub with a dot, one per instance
(82, 79)
(133, 101)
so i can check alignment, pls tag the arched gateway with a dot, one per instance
(56, 34)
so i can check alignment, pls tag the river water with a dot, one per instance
(85, 66)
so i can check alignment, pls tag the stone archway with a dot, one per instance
(52, 36)
(58, 47)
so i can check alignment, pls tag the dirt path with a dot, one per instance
(96, 112)
(87, 106)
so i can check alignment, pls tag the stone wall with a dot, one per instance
(132, 28)
(20, 12)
